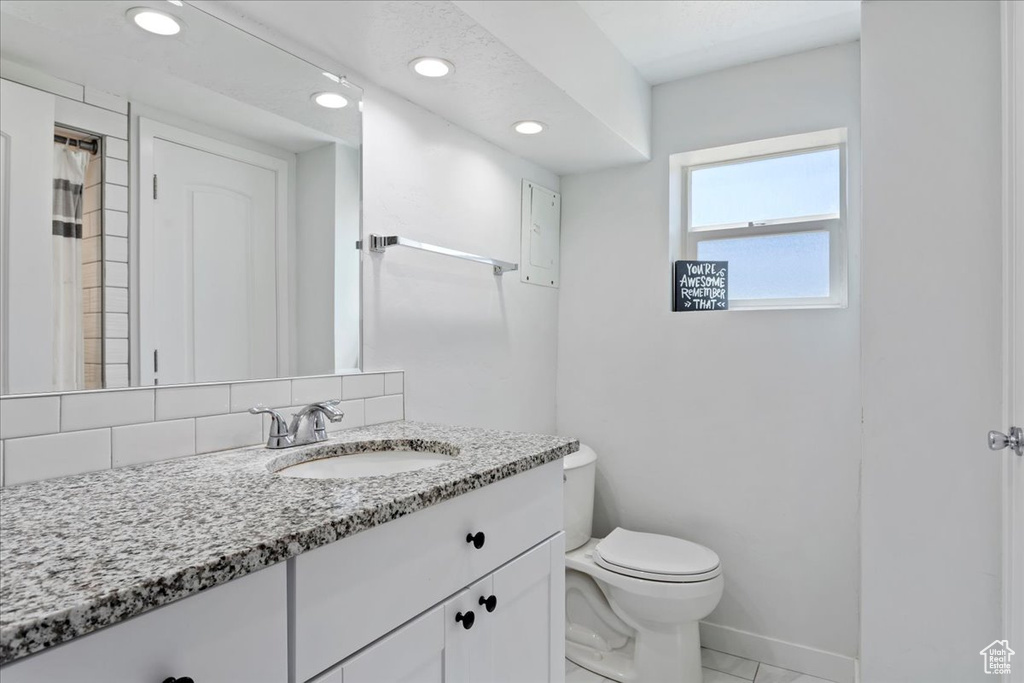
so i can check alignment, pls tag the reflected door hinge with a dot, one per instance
(156, 365)
(154, 186)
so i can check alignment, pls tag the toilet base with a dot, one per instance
(671, 656)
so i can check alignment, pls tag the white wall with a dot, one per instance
(348, 195)
(478, 349)
(737, 430)
(931, 340)
(315, 208)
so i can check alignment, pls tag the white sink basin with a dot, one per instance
(367, 464)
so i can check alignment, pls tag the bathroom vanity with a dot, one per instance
(450, 573)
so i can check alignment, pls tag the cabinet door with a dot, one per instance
(527, 622)
(413, 653)
(235, 632)
(468, 653)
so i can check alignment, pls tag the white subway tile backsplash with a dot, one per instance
(116, 351)
(29, 416)
(115, 274)
(116, 325)
(115, 376)
(228, 431)
(177, 402)
(314, 389)
(105, 409)
(117, 148)
(58, 435)
(362, 386)
(115, 223)
(115, 248)
(245, 395)
(92, 300)
(92, 325)
(117, 171)
(141, 443)
(355, 415)
(91, 274)
(385, 409)
(91, 249)
(116, 299)
(55, 455)
(394, 383)
(91, 195)
(115, 197)
(92, 224)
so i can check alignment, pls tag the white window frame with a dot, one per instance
(833, 224)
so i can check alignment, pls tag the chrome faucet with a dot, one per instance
(284, 435)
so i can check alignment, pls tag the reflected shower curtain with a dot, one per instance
(69, 165)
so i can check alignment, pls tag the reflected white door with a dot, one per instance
(26, 242)
(212, 313)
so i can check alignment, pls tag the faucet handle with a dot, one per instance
(278, 426)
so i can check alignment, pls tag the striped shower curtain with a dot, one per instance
(69, 166)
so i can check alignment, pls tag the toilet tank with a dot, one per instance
(580, 468)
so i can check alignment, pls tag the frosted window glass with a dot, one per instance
(777, 188)
(789, 266)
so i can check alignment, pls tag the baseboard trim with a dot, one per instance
(800, 658)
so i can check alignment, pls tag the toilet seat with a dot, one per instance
(654, 557)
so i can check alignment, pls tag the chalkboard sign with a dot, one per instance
(701, 286)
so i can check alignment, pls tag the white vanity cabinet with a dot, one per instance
(347, 594)
(468, 590)
(505, 628)
(234, 632)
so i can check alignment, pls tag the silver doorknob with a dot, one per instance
(997, 441)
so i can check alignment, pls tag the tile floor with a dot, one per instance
(718, 668)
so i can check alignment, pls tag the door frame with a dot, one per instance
(149, 132)
(1013, 329)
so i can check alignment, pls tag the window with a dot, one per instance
(775, 210)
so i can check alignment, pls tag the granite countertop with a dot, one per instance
(83, 552)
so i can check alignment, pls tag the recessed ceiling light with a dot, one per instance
(154, 21)
(528, 127)
(432, 67)
(331, 100)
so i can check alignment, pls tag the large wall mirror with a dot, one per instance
(180, 202)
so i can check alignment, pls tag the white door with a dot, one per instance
(209, 306)
(1013, 16)
(26, 193)
(469, 643)
(528, 635)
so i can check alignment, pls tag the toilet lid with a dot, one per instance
(657, 557)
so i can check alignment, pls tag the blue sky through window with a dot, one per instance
(804, 184)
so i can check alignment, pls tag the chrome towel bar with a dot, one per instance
(378, 243)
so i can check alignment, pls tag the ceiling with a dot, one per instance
(583, 68)
(671, 39)
(211, 73)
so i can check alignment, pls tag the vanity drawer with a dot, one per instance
(234, 632)
(350, 592)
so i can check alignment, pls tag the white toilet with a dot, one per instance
(632, 600)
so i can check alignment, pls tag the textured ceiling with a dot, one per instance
(212, 72)
(492, 86)
(671, 39)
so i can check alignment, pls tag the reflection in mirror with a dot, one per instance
(177, 206)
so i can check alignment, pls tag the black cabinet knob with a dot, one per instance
(467, 620)
(489, 603)
(476, 539)
(183, 679)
